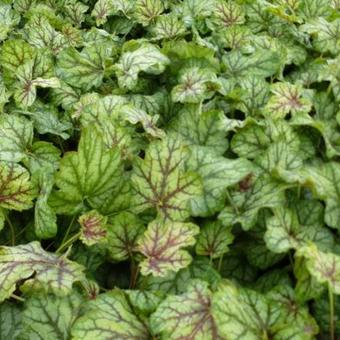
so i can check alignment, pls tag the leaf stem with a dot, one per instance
(331, 313)
(11, 229)
(16, 297)
(134, 274)
(68, 243)
(220, 262)
(68, 230)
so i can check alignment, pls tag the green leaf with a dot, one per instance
(46, 120)
(145, 57)
(16, 190)
(51, 273)
(45, 219)
(323, 266)
(245, 313)
(14, 53)
(93, 173)
(162, 244)
(178, 282)
(160, 181)
(187, 315)
(250, 141)
(218, 173)
(284, 232)
(263, 64)
(214, 240)
(16, 136)
(289, 312)
(84, 69)
(261, 193)
(93, 227)
(254, 93)
(307, 287)
(124, 231)
(325, 178)
(109, 316)
(10, 321)
(201, 128)
(50, 316)
(8, 20)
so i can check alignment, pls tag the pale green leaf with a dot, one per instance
(161, 182)
(51, 273)
(326, 34)
(195, 85)
(287, 98)
(162, 244)
(146, 11)
(186, 316)
(16, 136)
(284, 232)
(323, 266)
(168, 26)
(146, 58)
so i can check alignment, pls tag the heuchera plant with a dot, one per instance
(169, 169)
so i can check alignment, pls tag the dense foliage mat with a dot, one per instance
(169, 169)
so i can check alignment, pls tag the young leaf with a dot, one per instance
(93, 227)
(109, 317)
(51, 273)
(162, 245)
(16, 190)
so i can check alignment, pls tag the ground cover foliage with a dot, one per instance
(169, 169)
